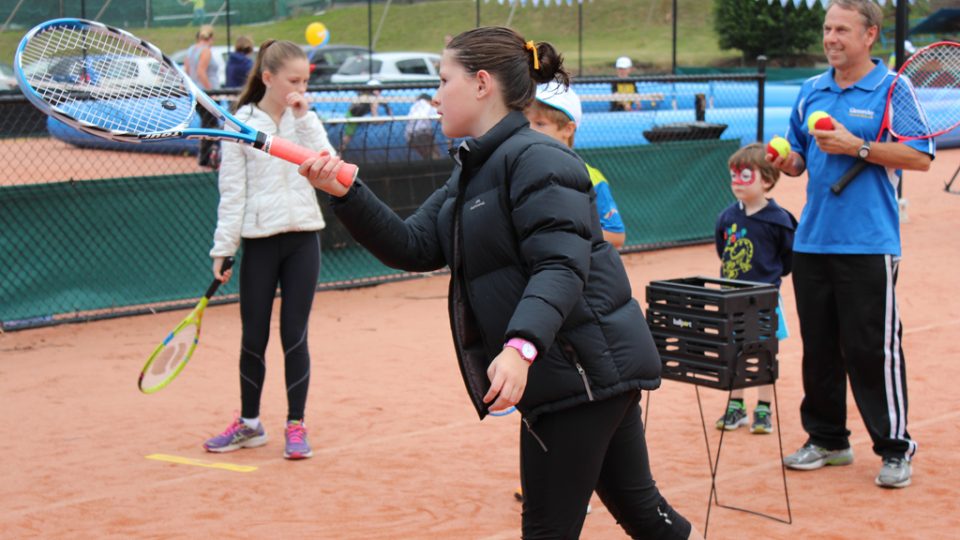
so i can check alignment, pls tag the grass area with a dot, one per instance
(640, 29)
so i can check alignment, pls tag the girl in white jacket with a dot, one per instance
(274, 211)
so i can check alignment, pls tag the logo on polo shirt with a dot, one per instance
(861, 113)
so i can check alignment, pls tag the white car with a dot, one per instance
(390, 67)
(221, 53)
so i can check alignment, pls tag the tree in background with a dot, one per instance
(756, 27)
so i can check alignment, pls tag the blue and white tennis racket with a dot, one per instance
(111, 84)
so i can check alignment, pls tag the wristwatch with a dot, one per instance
(864, 151)
(527, 350)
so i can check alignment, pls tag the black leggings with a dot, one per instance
(293, 261)
(597, 446)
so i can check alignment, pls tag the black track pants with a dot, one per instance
(597, 446)
(850, 326)
(291, 260)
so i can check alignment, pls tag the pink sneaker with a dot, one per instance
(297, 446)
(237, 436)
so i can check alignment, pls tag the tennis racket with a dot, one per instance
(172, 355)
(111, 84)
(923, 101)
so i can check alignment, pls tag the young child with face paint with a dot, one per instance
(754, 238)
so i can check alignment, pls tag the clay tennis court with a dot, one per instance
(399, 452)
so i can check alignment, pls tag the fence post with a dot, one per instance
(761, 83)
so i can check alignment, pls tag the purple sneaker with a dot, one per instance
(297, 445)
(237, 436)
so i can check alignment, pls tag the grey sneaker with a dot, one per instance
(761, 421)
(736, 416)
(237, 436)
(895, 473)
(812, 457)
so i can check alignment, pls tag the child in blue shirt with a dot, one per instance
(754, 238)
(557, 112)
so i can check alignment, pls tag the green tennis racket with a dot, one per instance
(172, 355)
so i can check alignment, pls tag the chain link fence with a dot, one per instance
(92, 229)
(19, 14)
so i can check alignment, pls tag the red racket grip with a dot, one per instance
(294, 153)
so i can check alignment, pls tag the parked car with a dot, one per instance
(326, 60)
(222, 54)
(7, 80)
(389, 67)
(117, 70)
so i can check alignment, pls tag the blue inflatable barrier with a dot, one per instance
(77, 138)
(733, 104)
(682, 96)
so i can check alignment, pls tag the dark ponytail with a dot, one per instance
(271, 57)
(517, 64)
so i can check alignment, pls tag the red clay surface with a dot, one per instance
(30, 162)
(399, 452)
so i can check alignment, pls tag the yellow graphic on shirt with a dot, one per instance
(738, 253)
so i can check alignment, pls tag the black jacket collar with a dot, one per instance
(473, 152)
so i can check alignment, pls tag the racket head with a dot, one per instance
(923, 98)
(173, 353)
(103, 80)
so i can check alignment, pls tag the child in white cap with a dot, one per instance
(556, 112)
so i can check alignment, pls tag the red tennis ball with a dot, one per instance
(815, 117)
(825, 123)
(778, 146)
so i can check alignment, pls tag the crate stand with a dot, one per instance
(722, 334)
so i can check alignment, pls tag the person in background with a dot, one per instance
(754, 240)
(847, 251)
(624, 66)
(239, 63)
(557, 112)
(274, 213)
(202, 66)
(371, 106)
(421, 133)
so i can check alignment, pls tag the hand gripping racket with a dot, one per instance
(172, 355)
(923, 101)
(111, 84)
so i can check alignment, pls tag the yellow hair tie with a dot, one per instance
(530, 46)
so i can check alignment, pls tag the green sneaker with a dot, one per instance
(812, 457)
(736, 416)
(895, 473)
(761, 421)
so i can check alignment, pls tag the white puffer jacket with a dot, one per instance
(261, 195)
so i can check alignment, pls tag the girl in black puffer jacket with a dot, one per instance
(540, 306)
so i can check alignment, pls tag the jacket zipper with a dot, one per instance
(586, 383)
(526, 422)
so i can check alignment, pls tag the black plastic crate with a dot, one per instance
(715, 332)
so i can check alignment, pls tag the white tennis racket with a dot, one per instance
(111, 84)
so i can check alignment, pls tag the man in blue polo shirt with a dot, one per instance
(846, 251)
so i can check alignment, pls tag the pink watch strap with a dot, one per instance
(527, 350)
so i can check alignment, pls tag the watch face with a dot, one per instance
(529, 350)
(864, 152)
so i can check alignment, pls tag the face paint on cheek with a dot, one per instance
(742, 176)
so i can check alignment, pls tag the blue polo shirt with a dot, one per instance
(864, 219)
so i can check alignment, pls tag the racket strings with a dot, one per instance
(931, 79)
(103, 80)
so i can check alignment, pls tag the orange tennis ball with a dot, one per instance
(778, 146)
(819, 120)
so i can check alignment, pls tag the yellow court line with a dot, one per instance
(202, 463)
